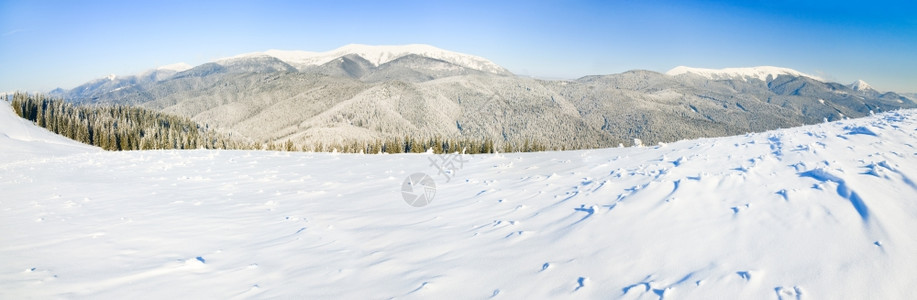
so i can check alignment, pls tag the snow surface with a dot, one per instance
(761, 73)
(377, 55)
(817, 212)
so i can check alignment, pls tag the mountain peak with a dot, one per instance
(860, 85)
(378, 55)
(761, 72)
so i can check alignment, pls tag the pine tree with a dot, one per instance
(288, 146)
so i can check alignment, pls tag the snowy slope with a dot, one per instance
(22, 140)
(761, 73)
(377, 55)
(817, 212)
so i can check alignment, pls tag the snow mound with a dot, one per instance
(822, 212)
(377, 55)
(762, 73)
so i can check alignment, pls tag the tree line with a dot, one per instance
(119, 127)
(413, 145)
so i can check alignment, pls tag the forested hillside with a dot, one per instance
(120, 127)
(347, 101)
(362, 98)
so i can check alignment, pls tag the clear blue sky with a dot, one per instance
(48, 44)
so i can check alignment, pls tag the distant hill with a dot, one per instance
(360, 92)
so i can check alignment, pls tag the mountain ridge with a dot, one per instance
(760, 72)
(265, 98)
(376, 55)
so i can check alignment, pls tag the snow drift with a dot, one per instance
(825, 211)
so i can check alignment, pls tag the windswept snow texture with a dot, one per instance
(817, 212)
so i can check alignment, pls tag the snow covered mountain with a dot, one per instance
(912, 96)
(763, 73)
(413, 63)
(360, 93)
(164, 72)
(114, 83)
(377, 56)
(822, 212)
(860, 85)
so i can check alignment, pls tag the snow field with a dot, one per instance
(825, 211)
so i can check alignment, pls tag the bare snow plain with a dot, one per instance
(818, 212)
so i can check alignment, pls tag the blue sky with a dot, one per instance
(48, 44)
